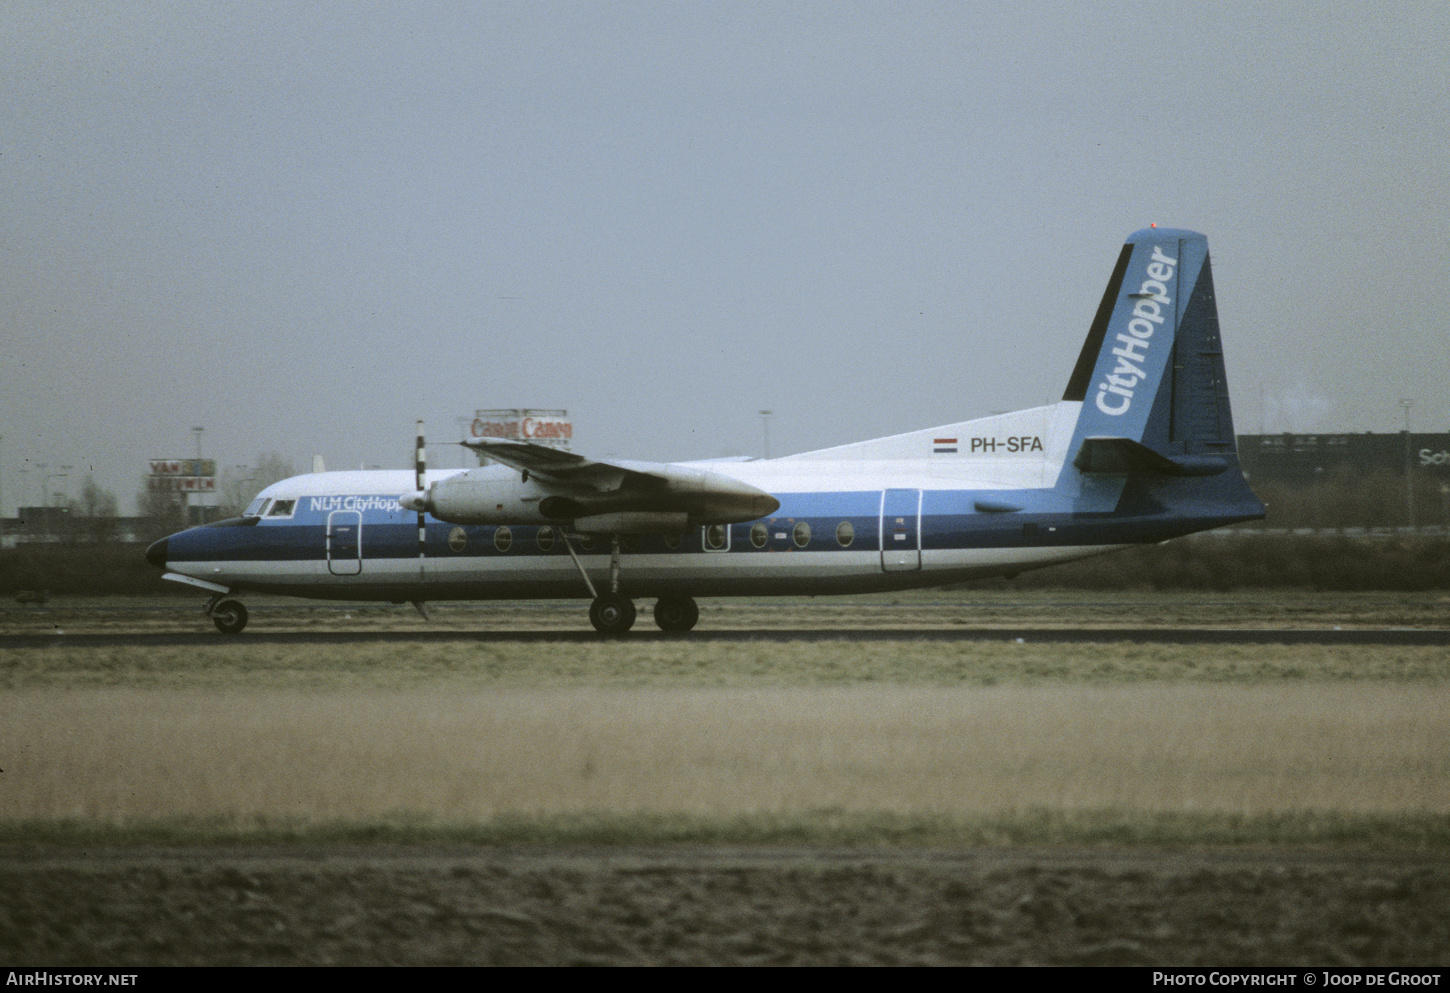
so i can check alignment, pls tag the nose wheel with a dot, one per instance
(229, 615)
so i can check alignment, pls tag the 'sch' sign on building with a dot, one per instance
(540, 427)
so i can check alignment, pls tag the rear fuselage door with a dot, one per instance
(900, 530)
(344, 542)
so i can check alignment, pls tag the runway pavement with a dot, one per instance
(1155, 635)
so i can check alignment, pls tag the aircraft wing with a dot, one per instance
(555, 465)
(568, 486)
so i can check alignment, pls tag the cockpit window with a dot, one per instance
(282, 508)
(254, 509)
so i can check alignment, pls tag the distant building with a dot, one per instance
(1302, 459)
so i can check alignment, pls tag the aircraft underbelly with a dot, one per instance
(791, 573)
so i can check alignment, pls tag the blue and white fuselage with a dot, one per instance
(1139, 450)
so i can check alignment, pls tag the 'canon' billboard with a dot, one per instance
(541, 427)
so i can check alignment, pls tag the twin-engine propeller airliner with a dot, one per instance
(1140, 449)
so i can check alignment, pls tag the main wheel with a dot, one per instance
(612, 614)
(676, 613)
(229, 616)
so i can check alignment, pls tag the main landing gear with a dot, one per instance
(228, 614)
(676, 613)
(614, 613)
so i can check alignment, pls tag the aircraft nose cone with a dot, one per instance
(156, 553)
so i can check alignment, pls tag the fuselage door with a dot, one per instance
(900, 530)
(344, 542)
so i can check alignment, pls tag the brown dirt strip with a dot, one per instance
(321, 905)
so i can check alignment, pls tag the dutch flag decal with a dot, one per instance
(944, 446)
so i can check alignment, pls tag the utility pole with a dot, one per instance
(1407, 403)
(195, 471)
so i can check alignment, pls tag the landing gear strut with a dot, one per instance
(229, 615)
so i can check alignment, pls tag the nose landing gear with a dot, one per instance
(229, 615)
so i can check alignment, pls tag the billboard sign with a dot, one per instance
(551, 428)
(182, 476)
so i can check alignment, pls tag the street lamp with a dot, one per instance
(45, 485)
(765, 428)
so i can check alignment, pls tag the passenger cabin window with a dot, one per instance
(801, 534)
(282, 508)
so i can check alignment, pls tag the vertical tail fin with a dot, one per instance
(1151, 370)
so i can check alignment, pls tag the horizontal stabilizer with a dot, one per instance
(1124, 455)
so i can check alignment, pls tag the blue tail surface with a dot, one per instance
(1151, 381)
(1151, 369)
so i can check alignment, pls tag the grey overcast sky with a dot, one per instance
(304, 225)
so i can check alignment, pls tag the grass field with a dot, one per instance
(930, 742)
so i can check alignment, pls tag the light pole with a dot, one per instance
(765, 429)
(195, 471)
(1407, 403)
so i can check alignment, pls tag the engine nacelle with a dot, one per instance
(482, 497)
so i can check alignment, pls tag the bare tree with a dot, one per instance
(93, 517)
(161, 508)
(270, 468)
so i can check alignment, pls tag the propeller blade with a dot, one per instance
(420, 469)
